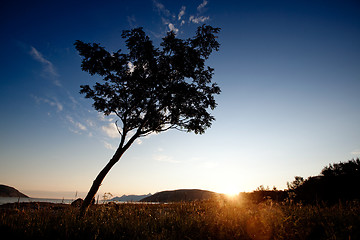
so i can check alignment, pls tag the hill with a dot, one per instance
(181, 195)
(6, 191)
(130, 198)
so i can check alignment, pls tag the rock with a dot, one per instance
(77, 203)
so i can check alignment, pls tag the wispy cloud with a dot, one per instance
(161, 8)
(48, 67)
(90, 123)
(197, 20)
(173, 28)
(164, 158)
(110, 130)
(76, 124)
(167, 17)
(104, 118)
(52, 102)
(174, 21)
(131, 20)
(109, 146)
(202, 5)
(161, 156)
(356, 152)
(181, 13)
(80, 126)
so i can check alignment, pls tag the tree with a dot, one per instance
(150, 89)
(336, 182)
(351, 167)
(296, 183)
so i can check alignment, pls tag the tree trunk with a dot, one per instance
(98, 180)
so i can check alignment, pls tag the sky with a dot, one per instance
(289, 72)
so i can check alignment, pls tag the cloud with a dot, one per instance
(173, 22)
(160, 156)
(356, 152)
(156, 35)
(54, 102)
(109, 146)
(202, 5)
(181, 13)
(164, 158)
(161, 8)
(78, 125)
(131, 20)
(72, 99)
(170, 25)
(199, 19)
(48, 67)
(111, 130)
(173, 28)
(104, 118)
(90, 123)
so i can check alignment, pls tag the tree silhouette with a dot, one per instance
(336, 182)
(351, 167)
(150, 89)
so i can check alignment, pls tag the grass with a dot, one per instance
(220, 219)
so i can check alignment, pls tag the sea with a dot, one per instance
(4, 200)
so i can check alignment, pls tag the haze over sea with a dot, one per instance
(4, 200)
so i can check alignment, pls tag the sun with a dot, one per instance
(231, 191)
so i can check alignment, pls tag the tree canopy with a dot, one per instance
(352, 167)
(338, 181)
(154, 89)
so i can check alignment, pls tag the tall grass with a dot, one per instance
(221, 219)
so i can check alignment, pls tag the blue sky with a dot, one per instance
(289, 73)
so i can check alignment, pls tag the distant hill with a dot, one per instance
(181, 195)
(6, 191)
(130, 198)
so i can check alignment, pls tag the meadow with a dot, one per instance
(215, 219)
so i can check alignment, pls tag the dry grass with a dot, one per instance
(195, 220)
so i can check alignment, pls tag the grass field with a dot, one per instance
(218, 219)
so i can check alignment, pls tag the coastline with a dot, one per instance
(5, 200)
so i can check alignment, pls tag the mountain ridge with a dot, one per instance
(130, 198)
(7, 191)
(181, 195)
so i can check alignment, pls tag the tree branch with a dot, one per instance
(118, 128)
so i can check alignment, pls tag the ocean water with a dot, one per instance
(4, 200)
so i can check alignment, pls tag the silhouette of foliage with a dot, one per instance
(262, 195)
(150, 89)
(296, 183)
(337, 182)
(351, 167)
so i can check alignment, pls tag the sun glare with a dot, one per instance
(231, 191)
